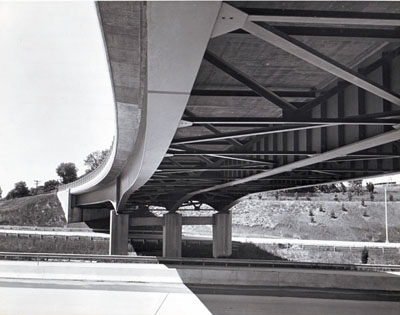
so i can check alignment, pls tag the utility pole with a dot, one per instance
(36, 182)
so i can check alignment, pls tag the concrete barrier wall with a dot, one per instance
(36, 243)
(302, 278)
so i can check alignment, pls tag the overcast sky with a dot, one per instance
(56, 101)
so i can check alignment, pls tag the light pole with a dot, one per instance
(386, 217)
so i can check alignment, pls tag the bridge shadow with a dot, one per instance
(203, 249)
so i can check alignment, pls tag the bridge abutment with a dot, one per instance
(172, 235)
(119, 230)
(222, 234)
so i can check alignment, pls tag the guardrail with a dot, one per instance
(203, 262)
(77, 258)
(88, 177)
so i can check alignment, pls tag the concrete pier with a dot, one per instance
(172, 235)
(119, 229)
(222, 234)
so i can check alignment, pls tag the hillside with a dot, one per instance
(292, 219)
(255, 217)
(41, 210)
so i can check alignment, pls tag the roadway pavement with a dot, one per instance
(94, 288)
(29, 287)
(271, 305)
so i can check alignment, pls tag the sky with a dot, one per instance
(56, 101)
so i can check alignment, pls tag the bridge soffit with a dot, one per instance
(230, 19)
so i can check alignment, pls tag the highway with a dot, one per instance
(49, 288)
(77, 297)
(272, 305)
(192, 287)
(83, 298)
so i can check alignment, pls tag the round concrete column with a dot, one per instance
(222, 234)
(172, 235)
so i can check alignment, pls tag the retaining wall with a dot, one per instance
(39, 243)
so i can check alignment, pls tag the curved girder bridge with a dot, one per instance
(215, 101)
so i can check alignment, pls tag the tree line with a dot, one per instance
(66, 171)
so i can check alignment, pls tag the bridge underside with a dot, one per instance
(288, 95)
(215, 101)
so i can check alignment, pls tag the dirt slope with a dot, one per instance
(293, 219)
(41, 210)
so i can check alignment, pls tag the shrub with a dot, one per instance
(344, 208)
(371, 196)
(365, 214)
(336, 198)
(296, 196)
(311, 213)
(391, 198)
(312, 220)
(308, 196)
(321, 209)
(356, 187)
(50, 185)
(363, 202)
(333, 215)
(370, 187)
(349, 195)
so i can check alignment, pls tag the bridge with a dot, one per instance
(215, 101)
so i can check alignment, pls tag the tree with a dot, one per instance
(20, 190)
(349, 195)
(51, 185)
(94, 160)
(67, 172)
(371, 196)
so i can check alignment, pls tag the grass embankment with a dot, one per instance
(321, 218)
(266, 217)
(41, 210)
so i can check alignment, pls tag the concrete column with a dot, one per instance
(172, 235)
(119, 229)
(222, 235)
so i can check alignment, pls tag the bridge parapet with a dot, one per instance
(93, 174)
